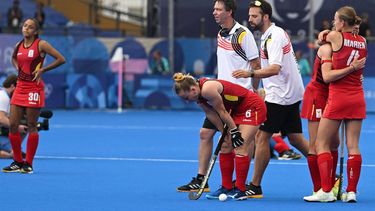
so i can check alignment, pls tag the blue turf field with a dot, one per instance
(102, 160)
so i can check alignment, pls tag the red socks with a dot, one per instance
(15, 141)
(32, 145)
(353, 172)
(242, 168)
(280, 145)
(227, 168)
(325, 170)
(312, 161)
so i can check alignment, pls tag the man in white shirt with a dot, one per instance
(284, 89)
(236, 49)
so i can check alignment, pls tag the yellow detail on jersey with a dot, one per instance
(242, 35)
(268, 41)
(231, 98)
(38, 66)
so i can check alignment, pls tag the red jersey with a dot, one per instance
(316, 94)
(317, 76)
(352, 45)
(346, 98)
(28, 59)
(28, 93)
(247, 107)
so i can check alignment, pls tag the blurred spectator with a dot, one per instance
(198, 68)
(39, 14)
(364, 28)
(325, 25)
(159, 65)
(14, 17)
(303, 64)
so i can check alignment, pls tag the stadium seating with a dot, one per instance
(53, 18)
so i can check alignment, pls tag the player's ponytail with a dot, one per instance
(183, 82)
(348, 14)
(15, 51)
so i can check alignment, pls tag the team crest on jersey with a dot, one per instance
(31, 53)
(318, 113)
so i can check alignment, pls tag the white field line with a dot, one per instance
(138, 127)
(123, 127)
(288, 163)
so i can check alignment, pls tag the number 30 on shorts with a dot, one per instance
(34, 96)
(248, 113)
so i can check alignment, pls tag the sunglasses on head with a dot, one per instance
(258, 3)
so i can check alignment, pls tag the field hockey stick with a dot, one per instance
(342, 143)
(198, 194)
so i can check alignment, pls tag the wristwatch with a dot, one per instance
(251, 73)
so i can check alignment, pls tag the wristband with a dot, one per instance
(326, 61)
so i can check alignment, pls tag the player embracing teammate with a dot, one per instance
(345, 104)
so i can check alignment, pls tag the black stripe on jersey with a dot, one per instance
(236, 44)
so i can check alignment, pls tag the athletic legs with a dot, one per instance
(262, 156)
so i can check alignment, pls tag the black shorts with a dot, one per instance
(208, 124)
(282, 118)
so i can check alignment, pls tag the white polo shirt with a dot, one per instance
(228, 60)
(286, 88)
(4, 101)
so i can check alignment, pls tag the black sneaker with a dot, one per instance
(253, 191)
(289, 155)
(26, 169)
(237, 194)
(14, 167)
(193, 186)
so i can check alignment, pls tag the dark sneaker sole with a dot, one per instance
(193, 190)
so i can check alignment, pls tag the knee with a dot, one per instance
(32, 127)
(261, 139)
(335, 144)
(226, 148)
(13, 127)
(206, 135)
(296, 140)
(293, 142)
(352, 146)
(242, 151)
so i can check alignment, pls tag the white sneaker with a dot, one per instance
(350, 197)
(321, 196)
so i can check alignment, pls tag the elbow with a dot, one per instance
(275, 72)
(61, 61)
